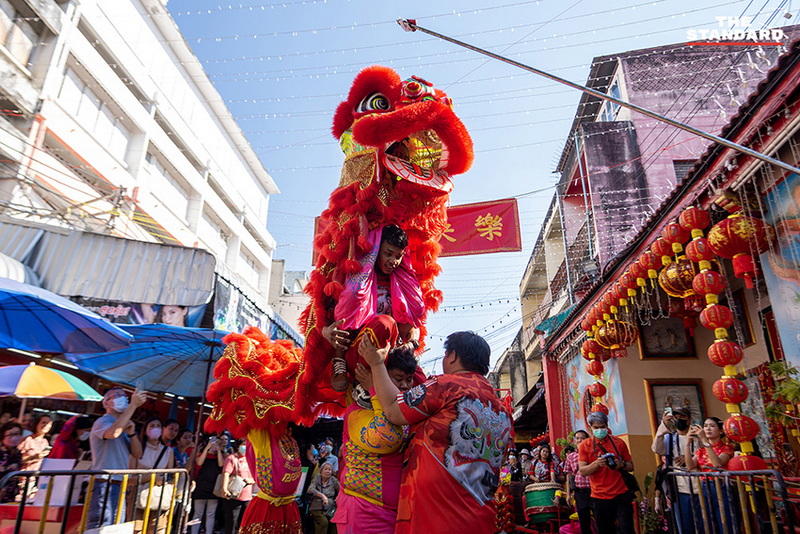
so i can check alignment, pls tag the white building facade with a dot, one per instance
(109, 124)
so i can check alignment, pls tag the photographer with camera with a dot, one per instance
(604, 458)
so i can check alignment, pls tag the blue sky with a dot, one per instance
(282, 67)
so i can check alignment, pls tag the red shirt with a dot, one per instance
(460, 435)
(719, 447)
(606, 483)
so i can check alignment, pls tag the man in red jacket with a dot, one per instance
(460, 435)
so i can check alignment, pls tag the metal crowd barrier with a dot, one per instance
(178, 479)
(736, 502)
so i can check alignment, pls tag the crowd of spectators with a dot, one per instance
(597, 484)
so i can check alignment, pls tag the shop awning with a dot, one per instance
(15, 270)
(530, 413)
(102, 267)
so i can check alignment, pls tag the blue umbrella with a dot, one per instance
(34, 319)
(161, 357)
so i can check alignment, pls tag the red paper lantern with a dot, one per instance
(741, 428)
(746, 462)
(590, 348)
(639, 272)
(610, 298)
(716, 316)
(596, 389)
(620, 291)
(600, 407)
(739, 238)
(616, 334)
(594, 368)
(724, 352)
(698, 250)
(676, 235)
(694, 218)
(729, 390)
(586, 325)
(708, 282)
(662, 249)
(628, 281)
(651, 262)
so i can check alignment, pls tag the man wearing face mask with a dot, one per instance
(602, 458)
(113, 440)
(671, 446)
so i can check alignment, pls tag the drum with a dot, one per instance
(540, 505)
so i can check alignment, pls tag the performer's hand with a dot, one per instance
(364, 376)
(339, 339)
(372, 354)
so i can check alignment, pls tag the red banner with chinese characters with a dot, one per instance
(482, 228)
(479, 228)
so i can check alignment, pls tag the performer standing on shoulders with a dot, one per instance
(383, 300)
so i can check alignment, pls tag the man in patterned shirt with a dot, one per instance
(578, 487)
(460, 433)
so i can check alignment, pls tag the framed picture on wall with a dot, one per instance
(665, 338)
(675, 393)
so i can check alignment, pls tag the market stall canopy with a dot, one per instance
(164, 358)
(36, 320)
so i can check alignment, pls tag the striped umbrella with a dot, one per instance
(37, 382)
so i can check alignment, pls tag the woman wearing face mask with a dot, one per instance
(73, 440)
(10, 458)
(155, 455)
(234, 505)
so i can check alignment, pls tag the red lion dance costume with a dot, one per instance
(402, 143)
(261, 386)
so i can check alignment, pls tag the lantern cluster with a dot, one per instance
(595, 354)
(708, 283)
(739, 238)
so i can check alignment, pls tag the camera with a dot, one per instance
(611, 460)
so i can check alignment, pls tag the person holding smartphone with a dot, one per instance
(209, 465)
(671, 443)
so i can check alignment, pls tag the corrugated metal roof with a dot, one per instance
(111, 268)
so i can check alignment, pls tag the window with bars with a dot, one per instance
(682, 167)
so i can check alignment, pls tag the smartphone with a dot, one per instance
(668, 410)
(213, 439)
